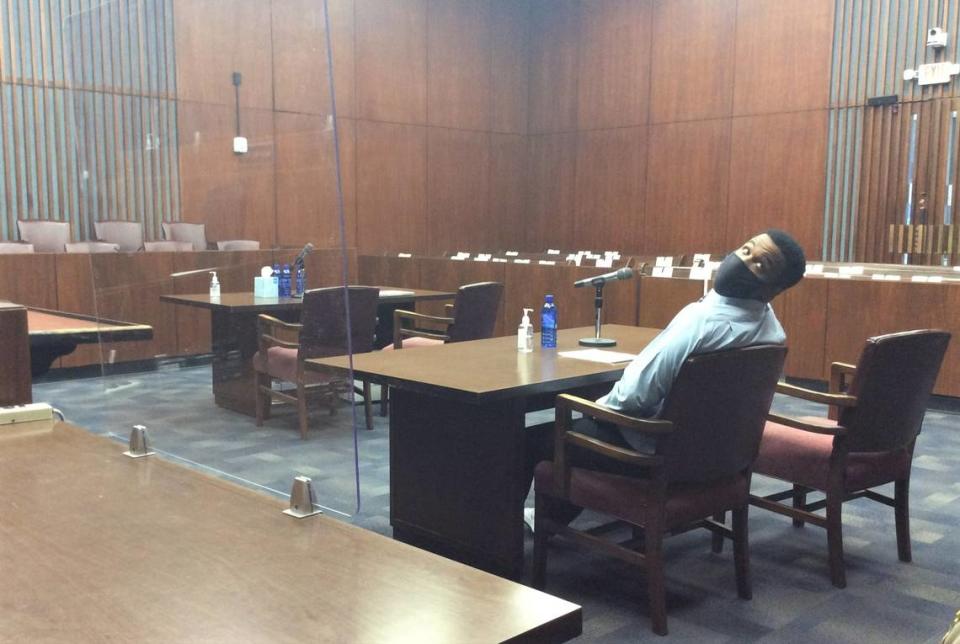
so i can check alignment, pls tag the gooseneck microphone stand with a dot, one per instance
(596, 340)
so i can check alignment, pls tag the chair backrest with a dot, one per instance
(324, 320)
(894, 378)
(15, 248)
(238, 244)
(167, 247)
(180, 231)
(718, 404)
(46, 236)
(475, 311)
(92, 247)
(126, 234)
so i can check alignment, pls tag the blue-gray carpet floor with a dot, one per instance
(793, 601)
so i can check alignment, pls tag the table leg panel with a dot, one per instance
(456, 473)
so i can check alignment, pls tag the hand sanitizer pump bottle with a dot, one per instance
(214, 284)
(525, 333)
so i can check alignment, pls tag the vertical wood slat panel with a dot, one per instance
(87, 128)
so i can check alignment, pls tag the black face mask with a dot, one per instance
(734, 279)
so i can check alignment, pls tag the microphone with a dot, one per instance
(303, 253)
(600, 280)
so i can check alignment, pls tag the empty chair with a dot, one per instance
(238, 244)
(322, 332)
(15, 248)
(91, 247)
(167, 247)
(126, 234)
(472, 316)
(706, 440)
(46, 236)
(867, 443)
(180, 231)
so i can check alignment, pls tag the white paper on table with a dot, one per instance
(598, 355)
(604, 263)
(393, 292)
(700, 269)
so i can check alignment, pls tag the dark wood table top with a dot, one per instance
(101, 547)
(246, 301)
(493, 369)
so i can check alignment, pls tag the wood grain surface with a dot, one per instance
(158, 552)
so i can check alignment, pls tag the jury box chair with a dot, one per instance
(128, 235)
(706, 440)
(322, 332)
(867, 441)
(180, 231)
(46, 236)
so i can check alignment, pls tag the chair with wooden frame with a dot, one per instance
(472, 316)
(706, 439)
(866, 441)
(322, 332)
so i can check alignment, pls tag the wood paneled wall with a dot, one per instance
(676, 126)
(431, 104)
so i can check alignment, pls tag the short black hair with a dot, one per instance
(796, 261)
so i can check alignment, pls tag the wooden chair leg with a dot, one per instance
(741, 553)
(799, 502)
(367, 405)
(901, 508)
(384, 399)
(838, 574)
(716, 538)
(656, 588)
(263, 399)
(302, 409)
(540, 545)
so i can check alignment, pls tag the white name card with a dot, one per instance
(511, 253)
(604, 263)
(547, 262)
(404, 255)
(663, 267)
(700, 269)
(552, 251)
(851, 270)
(892, 278)
(458, 258)
(521, 261)
(919, 278)
(499, 260)
(879, 277)
(814, 269)
(482, 257)
(935, 279)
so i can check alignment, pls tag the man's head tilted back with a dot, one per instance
(763, 267)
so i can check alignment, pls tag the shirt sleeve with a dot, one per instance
(647, 379)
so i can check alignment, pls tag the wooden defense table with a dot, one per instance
(57, 333)
(233, 334)
(456, 434)
(100, 547)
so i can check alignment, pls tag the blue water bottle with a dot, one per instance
(285, 281)
(548, 324)
(301, 279)
(276, 278)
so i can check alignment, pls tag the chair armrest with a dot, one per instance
(796, 423)
(839, 400)
(266, 325)
(400, 332)
(448, 310)
(838, 376)
(592, 409)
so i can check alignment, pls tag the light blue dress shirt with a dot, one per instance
(713, 323)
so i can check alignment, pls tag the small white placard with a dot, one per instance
(935, 279)
(499, 260)
(892, 278)
(552, 251)
(521, 261)
(457, 258)
(511, 253)
(404, 255)
(832, 275)
(814, 269)
(482, 257)
(700, 269)
(598, 355)
(851, 270)
(919, 278)
(547, 262)
(663, 267)
(604, 263)
(879, 277)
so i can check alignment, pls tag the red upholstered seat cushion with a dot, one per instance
(630, 498)
(803, 457)
(281, 363)
(410, 343)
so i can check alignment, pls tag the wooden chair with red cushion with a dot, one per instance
(706, 439)
(868, 440)
(322, 332)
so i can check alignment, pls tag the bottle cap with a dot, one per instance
(526, 317)
(549, 299)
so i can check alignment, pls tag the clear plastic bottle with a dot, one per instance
(548, 324)
(301, 279)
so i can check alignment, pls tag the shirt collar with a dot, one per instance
(714, 298)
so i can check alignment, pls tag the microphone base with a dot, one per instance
(597, 342)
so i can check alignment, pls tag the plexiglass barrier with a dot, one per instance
(222, 269)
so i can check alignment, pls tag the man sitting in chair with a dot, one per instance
(736, 313)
